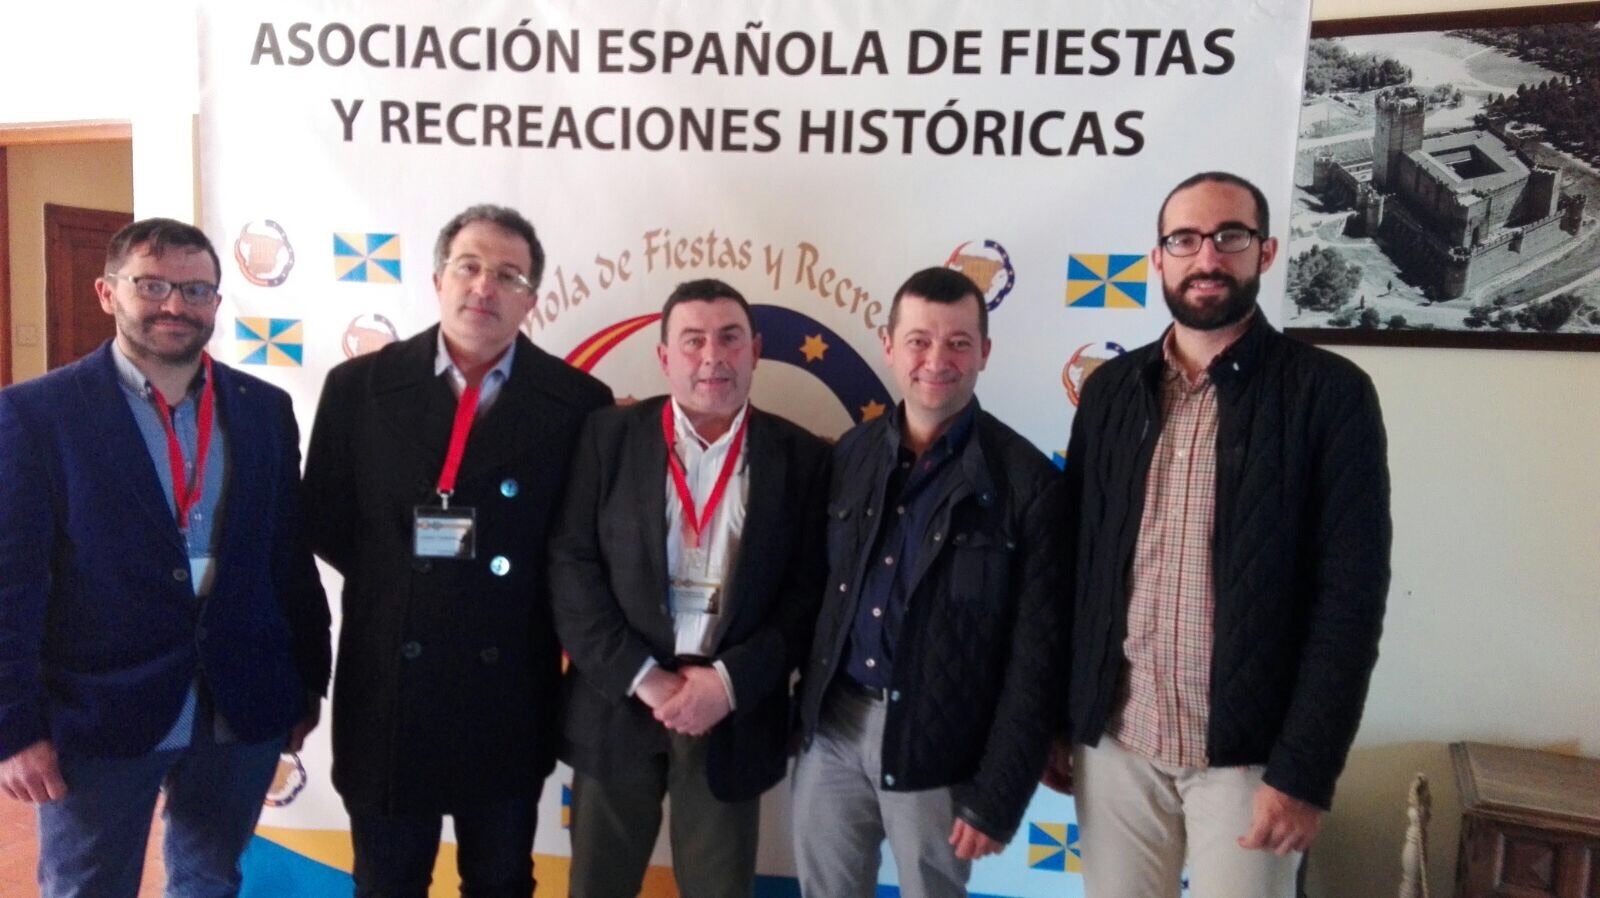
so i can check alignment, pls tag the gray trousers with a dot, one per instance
(842, 813)
(615, 823)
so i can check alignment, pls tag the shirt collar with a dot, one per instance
(442, 362)
(686, 430)
(950, 442)
(135, 381)
(1174, 368)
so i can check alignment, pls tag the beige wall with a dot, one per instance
(89, 175)
(1494, 616)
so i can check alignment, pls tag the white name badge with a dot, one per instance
(202, 571)
(695, 597)
(444, 532)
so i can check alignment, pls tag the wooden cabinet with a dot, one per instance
(1530, 823)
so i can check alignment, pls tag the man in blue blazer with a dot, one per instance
(162, 626)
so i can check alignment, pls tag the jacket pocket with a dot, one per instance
(843, 523)
(980, 564)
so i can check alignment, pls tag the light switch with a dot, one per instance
(27, 335)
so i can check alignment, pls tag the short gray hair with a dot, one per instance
(500, 216)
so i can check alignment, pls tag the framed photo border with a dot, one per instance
(1504, 17)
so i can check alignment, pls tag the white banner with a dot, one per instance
(811, 154)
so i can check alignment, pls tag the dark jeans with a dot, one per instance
(494, 851)
(92, 842)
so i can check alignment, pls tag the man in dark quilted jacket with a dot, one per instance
(926, 707)
(1231, 561)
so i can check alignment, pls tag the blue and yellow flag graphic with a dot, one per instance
(1054, 847)
(279, 342)
(367, 258)
(1114, 281)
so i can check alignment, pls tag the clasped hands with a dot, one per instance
(689, 701)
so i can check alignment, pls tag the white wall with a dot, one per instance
(1495, 615)
(97, 60)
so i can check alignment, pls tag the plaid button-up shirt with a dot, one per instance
(1166, 687)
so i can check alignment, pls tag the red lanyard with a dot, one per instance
(692, 526)
(186, 495)
(466, 409)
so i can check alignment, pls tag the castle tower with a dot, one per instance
(1398, 131)
(1542, 194)
(1572, 220)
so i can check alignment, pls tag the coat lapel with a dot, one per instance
(515, 425)
(766, 471)
(416, 405)
(115, 433)
(650, 473)
(250, 441)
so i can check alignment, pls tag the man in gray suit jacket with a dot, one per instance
(685, 573)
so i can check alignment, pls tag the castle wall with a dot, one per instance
(1453, 270)
(1535, 240)
(1463, 224)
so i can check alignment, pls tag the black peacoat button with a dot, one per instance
(489, 655)
(421, 565)
(411, 651)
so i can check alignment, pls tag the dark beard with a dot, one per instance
(1239, 303)
(139, 346)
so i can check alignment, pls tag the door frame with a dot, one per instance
(5, 271)
(30, 135)
(58, 258)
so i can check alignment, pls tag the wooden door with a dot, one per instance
(74, 255)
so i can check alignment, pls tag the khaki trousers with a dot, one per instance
(1141, 819)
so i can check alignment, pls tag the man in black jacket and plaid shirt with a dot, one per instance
(1231, 545)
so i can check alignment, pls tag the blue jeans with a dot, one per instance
(395, 853)
(92, 841)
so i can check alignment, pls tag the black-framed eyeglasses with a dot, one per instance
(1227, 240)
(154, 289)
(468, 268)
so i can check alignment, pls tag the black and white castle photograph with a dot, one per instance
(1448, 183)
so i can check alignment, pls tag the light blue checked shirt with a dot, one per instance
(203, 518)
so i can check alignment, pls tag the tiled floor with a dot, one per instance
(19, 853)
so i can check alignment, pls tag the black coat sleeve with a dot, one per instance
(588, 617)
(299, 586)
(993, 801)
(1352, 532)
(330, 491)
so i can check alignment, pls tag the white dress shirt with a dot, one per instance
(719, 541)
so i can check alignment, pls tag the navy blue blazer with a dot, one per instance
(100, 632)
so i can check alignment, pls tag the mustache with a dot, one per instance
(720, 371)
(1222, 276)
(178, 319)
